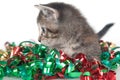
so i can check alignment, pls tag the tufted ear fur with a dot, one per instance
(47, 11)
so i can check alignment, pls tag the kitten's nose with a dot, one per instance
(39, 39)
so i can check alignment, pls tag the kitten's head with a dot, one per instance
(57, 23)
(47, 22)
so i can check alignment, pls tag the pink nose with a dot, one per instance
(39, 38)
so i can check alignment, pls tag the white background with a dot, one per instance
(18, 18)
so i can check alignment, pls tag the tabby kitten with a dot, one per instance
(63, 27)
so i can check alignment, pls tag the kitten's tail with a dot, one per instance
(102, 32)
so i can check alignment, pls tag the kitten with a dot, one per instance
(63, 27)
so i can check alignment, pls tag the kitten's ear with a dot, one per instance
(47, 11)
(38, 6)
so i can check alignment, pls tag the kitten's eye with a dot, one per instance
(48, 33)
(43, 29)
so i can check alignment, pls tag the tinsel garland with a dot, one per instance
(32, 61)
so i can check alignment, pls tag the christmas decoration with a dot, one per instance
(32, 61)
